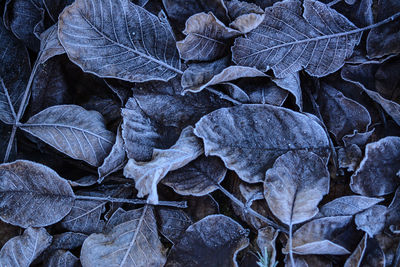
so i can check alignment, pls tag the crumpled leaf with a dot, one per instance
(212, 241)
(317, 236)
(180, 10)
(318, 40)
(32, 194)
(342, 115)
(173, 223)
(372, 220)
(384, 40)
(115, 160)
(121, 48)
(295, 185)
(22, 250)
(376, 175)
(348, 205)
(155, 119)
(25, 20)
(131, 243)
(241, 134)
(200, 177)
(148, 174)
(62, 258)
(71, 129)
(246, 16)
(206, 38)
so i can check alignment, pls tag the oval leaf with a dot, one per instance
(295, 185)
(118, 39)
(248, 138)
(32, 194)
(73, 130)
(318, 40)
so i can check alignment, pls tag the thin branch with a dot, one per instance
(251, 211)
(334, 2)
(223, 96)
(291, 244)
(176, 204)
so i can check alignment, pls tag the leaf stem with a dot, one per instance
(223, 96)
(334, 2)
(250, 210)
(22, 107)
(291, 245)
(176, 204)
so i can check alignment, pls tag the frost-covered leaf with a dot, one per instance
(295, 185)
(266, 242)
(131, 243)
(248, 138)
(50, 46)
(318, 40)
(212, 241)
(355, 259)
(32, 194)
(71, 129)
(148, 174)
(318, 236)
(341, 115)
(372, 220)
(206, 38)
(349, 157)
(348, 205)
(246, 16)
(85, 217)
(62, 258)
(384, 40)
(7, 231)
(393, 212)
(134, 45)
(376, 175)
(115, 160)
(200, 177)
(291, 83)
(25, 20)
(24, 249)
(173, 223)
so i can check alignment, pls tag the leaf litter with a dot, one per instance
(200, 133)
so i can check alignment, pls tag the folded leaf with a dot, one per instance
(32, 194)
(376, 175)
(134, 45)
(148, 174)
(348, 205)
(206, 38)
(71, 129)
(318, 40)
(248, 138)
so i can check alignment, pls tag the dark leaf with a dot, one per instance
(32, 194)
(318, 40)
(7, 231)
(200, 177)
(212, 241)
(71, 129)
(173, 223)
(54, 7)
(131, 243)
(376, 175)
(248, 141)
(349, 157)
(22, 250)
(121, 48)
(148, 174)
(295, 185)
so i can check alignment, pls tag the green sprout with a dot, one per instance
(263, 260)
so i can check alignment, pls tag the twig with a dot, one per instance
(250, 210)
(223, 96)
(334, 2)
(291, 244)
(176, 204)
